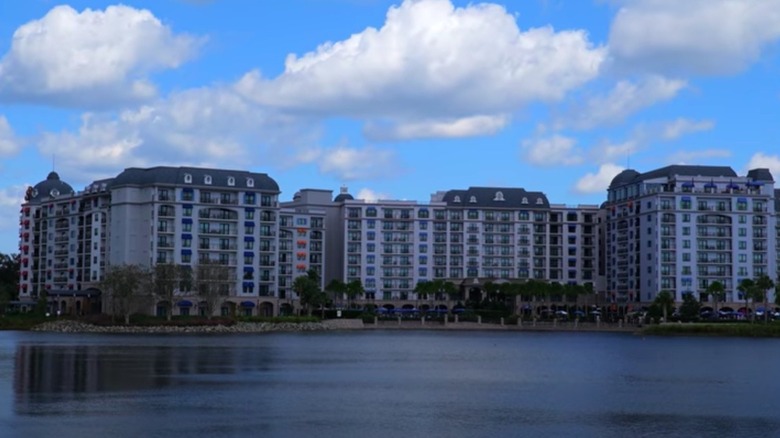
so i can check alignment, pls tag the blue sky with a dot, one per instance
(394, 99)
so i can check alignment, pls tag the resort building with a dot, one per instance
(680, 228)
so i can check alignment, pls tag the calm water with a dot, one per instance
(392, 383)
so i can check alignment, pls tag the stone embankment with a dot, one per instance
(68, 326)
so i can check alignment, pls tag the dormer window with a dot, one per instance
(473, 199)
(231, 181)
(525, 200)
(187, 178)
(539, 201)
(250, 182)
(207, 179)
(499, 196)
(457, 199)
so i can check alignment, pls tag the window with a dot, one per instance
(231, 181)
(539, 201)
(473, 199)
(499, 196)
(207, 179)
(250, 182)
(525, 200)
(456, 199)
(187, 178)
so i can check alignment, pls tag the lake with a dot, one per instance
(387, 383)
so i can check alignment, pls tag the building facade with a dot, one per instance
(678, 228)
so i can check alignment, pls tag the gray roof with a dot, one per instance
(341, 197)
(630, 176)
(760, 175)
(777, 200)
(162, 175)
(52, 186)
(487, 197)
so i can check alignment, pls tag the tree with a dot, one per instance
(213, 282)
(665, 302)
(746, 287)
(309, 293)
(690, 309)
(717, 291)
(9, 279)
(167, 280)
(337, 288)
(128, 288)
(354, 290)
(763, 285)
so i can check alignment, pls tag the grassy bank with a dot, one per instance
(28, 321)
(741, 329)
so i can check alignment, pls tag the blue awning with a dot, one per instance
(184, 303)
(186, 252)
(249, 239)
(687, 184)
(741, 199)
(186, 220)
(249, 254)
(186, 205)
(249, 269)
(247, 304)
(249, 209)
(186, 236)
(187, 190)
(249, 224)
(685, 198)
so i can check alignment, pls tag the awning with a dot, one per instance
(249, 224)
(247, 304)
(685, 198)
(186, 220)
(184, 303)
(186, 236)
(249, 254)
(186, 252)
(249, 269)
(687, 184)
(249, 209)
(249, 239)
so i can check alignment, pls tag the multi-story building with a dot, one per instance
(177, 215)
(680, 228)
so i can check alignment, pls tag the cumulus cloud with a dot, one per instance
(625, 99)
(681, 126)
(607, 151)
(370, 195)
(552, 151)
(598, 182)
(463, 127)
(432, 60)
(761, 160)
(10, 199)
(693, 36)
(8, 142)
(357, 163)
(93, 58)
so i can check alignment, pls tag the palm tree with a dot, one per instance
(746, 287)
(717, 291)
(354, 290)
(665, 300)
(763, 284)
(337, 288)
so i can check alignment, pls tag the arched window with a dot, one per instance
(250, 182)
(525, 200)
(539, 201)
(187, 178)
(499, 196)
(457, 199)
(231, 181)
(473, 199)
(207, 179)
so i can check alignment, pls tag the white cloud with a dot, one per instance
(432, 60)
(369, 195)
(690, 157)
(10, 200)
(463, 127)
(625, 99)
(598, 182)
(693, 36)
(8, 142)
(681, 126)
(95, 58)
(761, 160)
(552, 151)
(606, 151)
(352, 163)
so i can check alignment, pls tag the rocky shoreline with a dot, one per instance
(68, 326)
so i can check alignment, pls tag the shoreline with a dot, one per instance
(71, 326)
